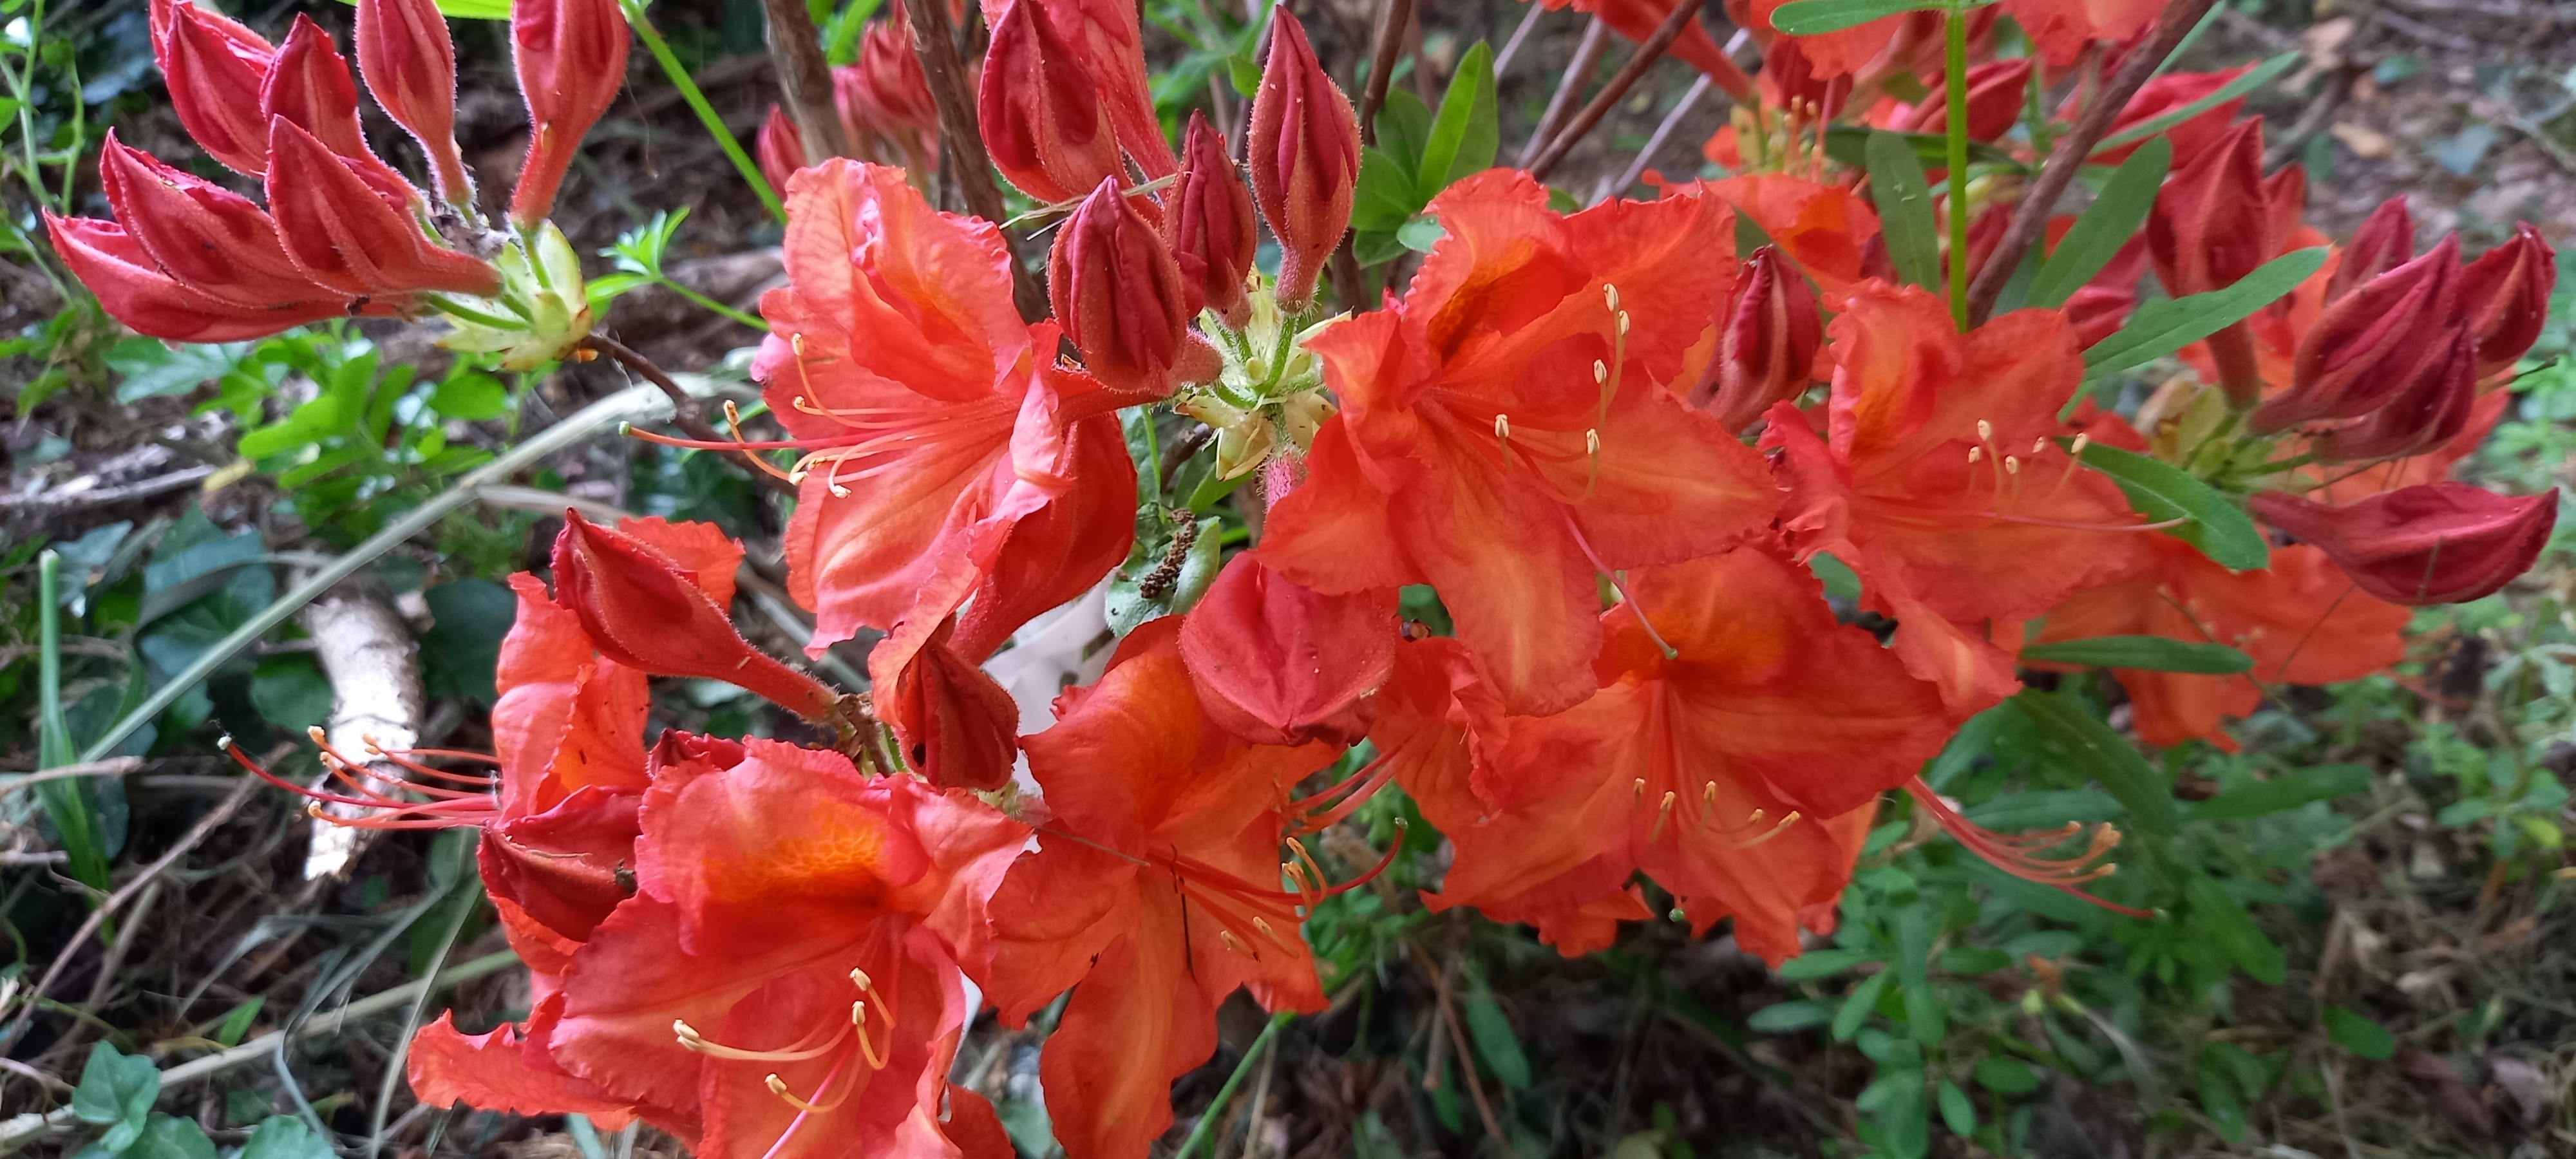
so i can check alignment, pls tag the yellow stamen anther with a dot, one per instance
(1661, 812)
(1641, 791)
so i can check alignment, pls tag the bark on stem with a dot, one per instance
(805, 79)
(1390, 44)
(1626, 78)
(2031, 216)
(1578, 73)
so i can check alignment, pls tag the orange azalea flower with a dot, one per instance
(2301, 620)
(785, 983)
(1942, 485)
(1738, 773)
(1154, 893)
(1826, 229)
(1510, 430)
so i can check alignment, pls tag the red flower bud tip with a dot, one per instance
(202, 235)
(2164, 95)
(2370, 345)
(780, 149)
(248, 44)
(1305, 158)
(2433, 543)
(2504, 297)
(215, 81)
(309, 86)
(891, 80)
(134, 290)
(1214, 236)
(343, 234)
(2385, 241)
(1767, 351)
(2212, 223)
(571, 60)
(2428, 411)
(1120, 297)
(1040, 107)
(1997, 90)
(410, 65)
(1276, 662)
(958, 726)
(643, 609)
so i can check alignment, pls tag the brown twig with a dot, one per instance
(935, 42)
(1636, 169)
(685, 411)
(1390, 44)
(1626, 78)
(1458, 1040)
(1578, 74)
(89, 927)
(2031, 216)
(805, 79)
(111, 767)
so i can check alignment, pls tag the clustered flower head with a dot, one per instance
(1618, 464)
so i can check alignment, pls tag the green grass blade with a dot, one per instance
(66, 802)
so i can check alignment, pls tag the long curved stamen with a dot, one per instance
(778, 1087)
(805, 1108)
(816, 1044)
(2018, 855)
(1619, 583)
(451, 809)
(1368, 781)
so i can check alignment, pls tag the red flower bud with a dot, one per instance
(957, 725)
(888, 81)
(571, 60)
(643, 609)
(2433, 543)
(134, 290)
(343, 234)
(2369, 345)
(2504, 297)
(165, 14)
(309, 86)
(1214, 236)
(1767, 348)
(2164, 95)
(1120, 297)
(1040, 107)
(1276, 662)
(410, 65)
(215, 81)
(780, 149)
(1997, 91)
(2428, 412)
(2212, 223)
(1305, 158)
(203, 235)
(2385, 241)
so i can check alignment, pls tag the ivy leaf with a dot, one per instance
(116, 1091)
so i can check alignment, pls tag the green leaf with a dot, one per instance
(1849, 144)
(1375, 247)
(2286, 790)
(2217, 914)
(2165, 325)
(469, 9)
(2359, 1035)
(1856, 1007)
(1924, 1017)
(2146, 653)
(1780, 1017)
(290, 692)
(470, 396)
(171, 1137)
(152, 368)
(116, 1091)
(2006, 1076)
(1404, 131)
(1495, 1043)
(2162, 492)
(2109, 758)
(2261, 75)
(2042, 809)
(1244, 74)
(1468, 130)
(1385, 198)
(2104, 226)
(1973, 960)
(1957, 1113)
(237, 1020)
(1815, 17)
(1420, 234)
(1904, 200)
(1820, 964)
(462, 647)
(285, 1137)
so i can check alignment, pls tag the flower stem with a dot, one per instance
(1955, 78)
(697, 100)
(1206, 1125)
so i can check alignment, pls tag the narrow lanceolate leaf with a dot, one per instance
(2166, 325)
(2105, 226)
(2109, 757)
(1904, 208)
(1468, 131)
(2261, 75)
(2149, 653)
(1815, 17)
(2162, 492)
(2287, 789)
